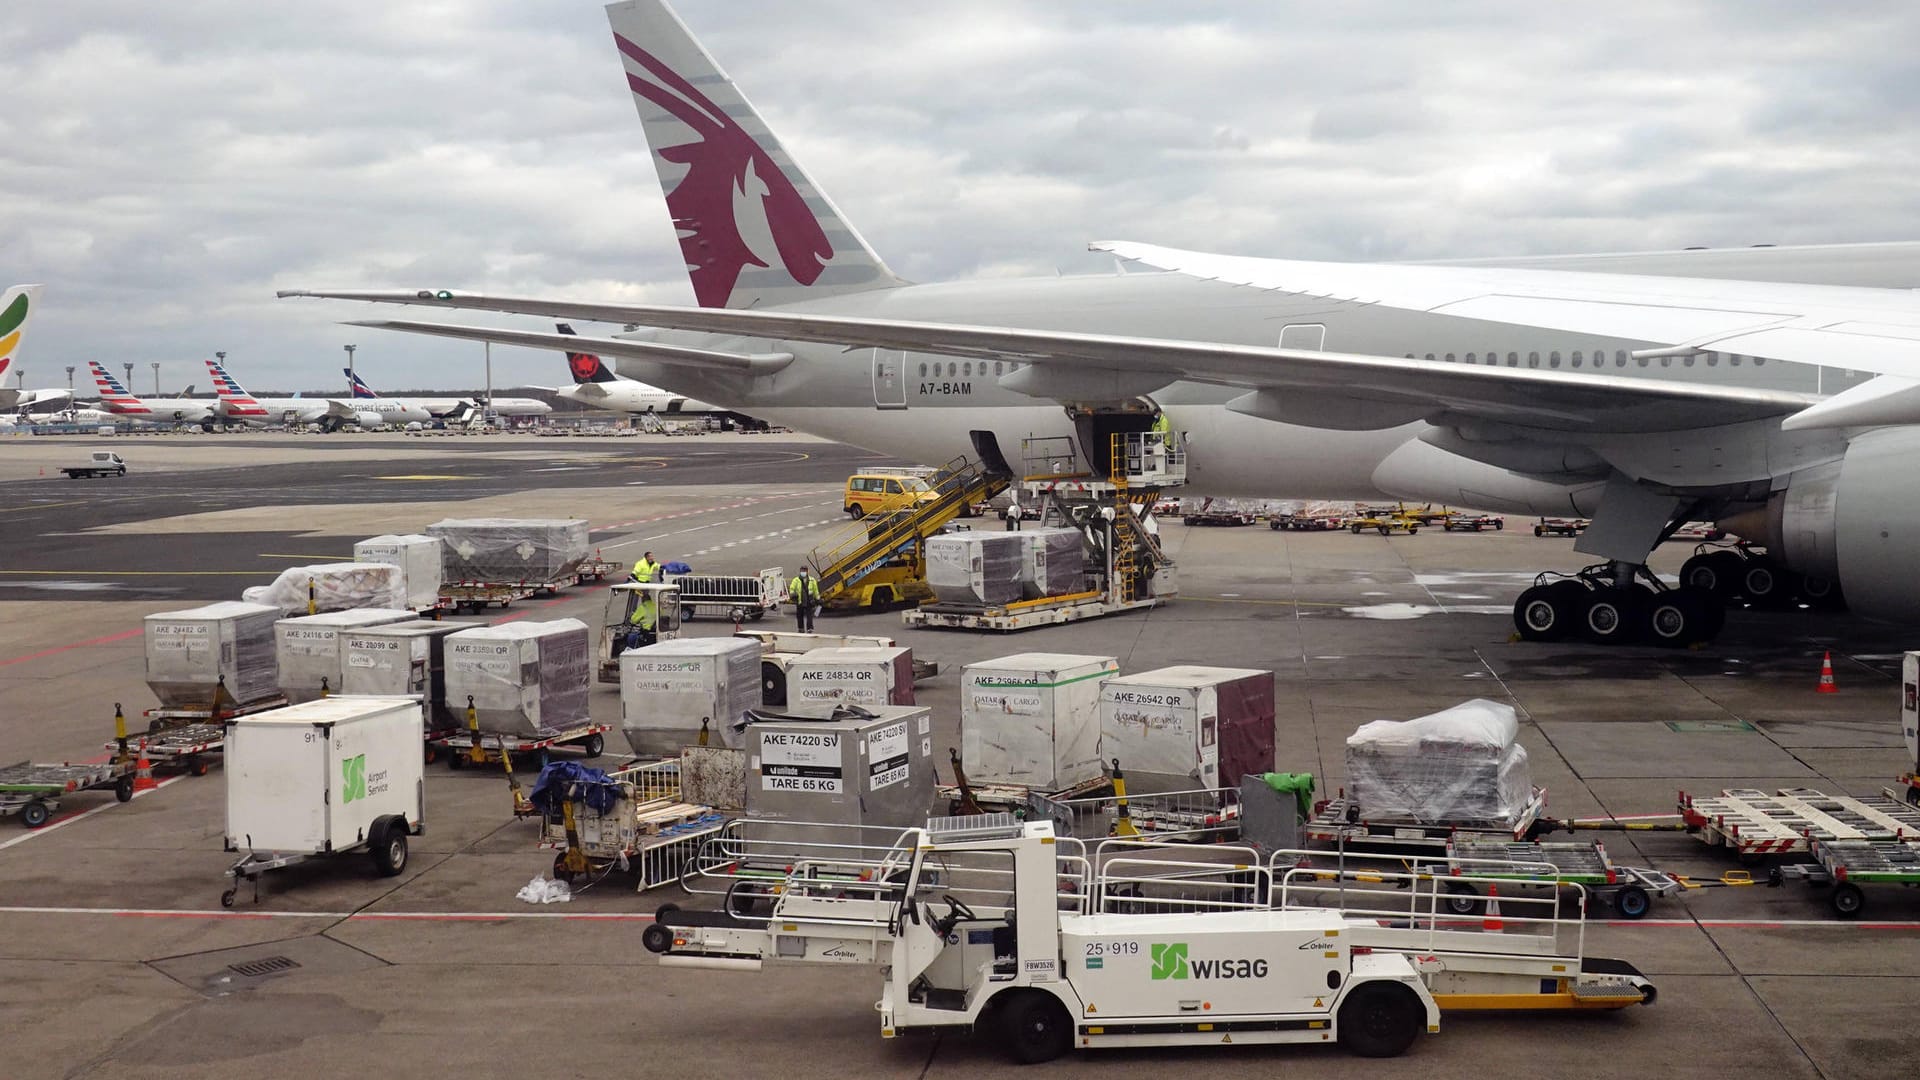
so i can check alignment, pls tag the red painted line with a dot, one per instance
(121, 636)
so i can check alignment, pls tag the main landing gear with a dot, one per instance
(1740, 573)
(1617, 603)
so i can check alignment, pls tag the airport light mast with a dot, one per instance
(69, 382)
(156, 378)
(128, 364)
(349, 349)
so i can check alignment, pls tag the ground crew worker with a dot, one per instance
(642, 622)
(805, 594)
(646, 571)
(1013, 513)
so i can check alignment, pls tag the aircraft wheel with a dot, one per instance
(1611, 616)
(1819, 592)
(1548, 612)
(1763, 583)
(1706, 571)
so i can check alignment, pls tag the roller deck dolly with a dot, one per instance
(1847, 865)
(483, 748)
(1757, 824)
(1630, 889)
(34, 791)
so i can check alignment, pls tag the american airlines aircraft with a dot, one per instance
(1773, 389)
(16, 307)
(122, 403)
(597, 387)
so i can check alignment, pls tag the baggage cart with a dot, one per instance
(34, 791)
(738, 597)
(649, 830)
(1848, 864)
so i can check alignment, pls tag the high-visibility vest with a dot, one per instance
(803, 589)
(643, 613)
(1163, 425)
(646, 570)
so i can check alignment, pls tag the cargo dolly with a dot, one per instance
(1630, 889)
(1846, 865)
(465, 596)
(486, 748)
(648, 830)
(1757, 825)
(1340, 821)
(187, 740)
(34, 791)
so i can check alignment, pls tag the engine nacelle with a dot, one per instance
(1856, 521)
(368, 420)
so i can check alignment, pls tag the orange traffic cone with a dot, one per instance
(143, 771)
(1492, 920)
(1826, 676)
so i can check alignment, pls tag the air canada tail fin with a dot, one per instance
(16, 307)
(754, 229)
(586, 367)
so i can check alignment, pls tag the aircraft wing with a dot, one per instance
(1312, 387)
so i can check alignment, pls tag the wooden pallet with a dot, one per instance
(654, 817)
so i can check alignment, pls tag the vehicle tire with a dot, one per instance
(1847, 900)
(1034, 1026)
(1356, 529)
(456, 758)
(199, 766)
(1539, 530)
(123, 788)
(1499, 525)
(737, 614)
(1547, 612)
(1412, 531)
(856, 511)
(688, 613)
(773, 684)
(1674, 619)
(1763, 583)
(1632, 902)
(1461, 899)
(1380, 1020)
(34, 814)
(387, 846)
(226, 898)
(593, 746)
(881, 600)
(656, 939)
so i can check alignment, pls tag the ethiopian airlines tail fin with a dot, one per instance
(754, 229)
(16, 307)
(586, 367)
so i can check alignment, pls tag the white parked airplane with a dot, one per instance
(16, 308)
(122, 403)
(235, 404)
(597, 387)
(1640, 390)
(454, 409)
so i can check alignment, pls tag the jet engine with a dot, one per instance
(368, 420)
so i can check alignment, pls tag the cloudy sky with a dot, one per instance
(165, 167)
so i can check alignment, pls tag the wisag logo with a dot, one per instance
(353, 779)
(1171, 961)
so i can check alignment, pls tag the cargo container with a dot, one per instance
(1188, 727)
(525, 678)
(419, 559)
(1054, 563)
(340, 586)
(975, 568)
(403, 658)
(669, 690)
(870, 770)
(531, 550)
(309, 649)
(820, 680)
(322, 778)
(190, 653)
(1033, 719)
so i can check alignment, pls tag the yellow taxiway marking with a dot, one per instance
(45, 506)
(420, 476)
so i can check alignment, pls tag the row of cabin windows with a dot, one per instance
(1000, 367)
(1599, 360)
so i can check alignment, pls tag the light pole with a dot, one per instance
(349, 349)
(156, 378)
(69, 382)
(220, 358)
(487, 413)
(128, 364)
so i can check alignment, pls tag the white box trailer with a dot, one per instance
(1188, 727)
(419, 558)
(324, 777)
(309, 649)
(670, 689)
(1033, 719)
(822, 680)
(191, 653)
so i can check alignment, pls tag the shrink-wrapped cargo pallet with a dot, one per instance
(975, 568)
(668, 690)
(1187, 727)
(1054, 563)
(190, 652)
(310, 652)
(526, 678)
(418, 558)
(821, 680)
(1033, 719)
(403, 658)
(1461, 766)
(339, 586)
(509, 549)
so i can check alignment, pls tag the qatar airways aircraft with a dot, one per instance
(1773, 389)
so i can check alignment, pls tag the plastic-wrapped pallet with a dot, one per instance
(821, 680)
(1462, 765)
(526, 678)
(418, 558)
(190, 652)
(1054, 563)
(667, 690)
(975, 568)
(310, 649)
(1186, 727)
(509, 549)
(403, 658)
(1033, 719)
(339, 586)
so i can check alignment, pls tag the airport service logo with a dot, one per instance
(1172, 961)
(723, 167)
(353, 779)
(10, 323)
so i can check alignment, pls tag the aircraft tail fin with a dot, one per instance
(16, 307)
(225, 388)
(114, 396)
(358, 385)
(754, 228)
(586, 367)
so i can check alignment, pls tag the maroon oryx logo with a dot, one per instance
(720, 166)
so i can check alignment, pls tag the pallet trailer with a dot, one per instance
(480, 748)
(1630, 889)
(187, 740)
(34, 791)
(1341, 822)
(1756, 824)
(1846, 865)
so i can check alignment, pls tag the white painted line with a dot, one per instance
(371, 916)
(62, 823)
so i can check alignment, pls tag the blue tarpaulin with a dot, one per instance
(563, 779)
